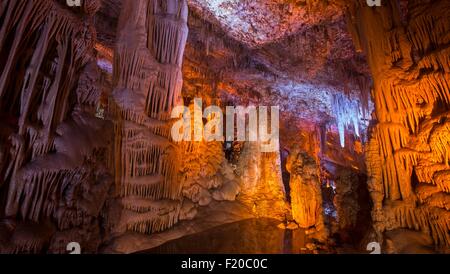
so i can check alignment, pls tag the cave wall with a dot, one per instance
(407, 47)
(56, 147)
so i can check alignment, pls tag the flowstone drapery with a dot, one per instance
(407, 155)
(147, 78)
(56, 155)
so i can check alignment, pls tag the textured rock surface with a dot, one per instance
(86, 94)
(407, 154)
(306, 194)
(263, 21)
(261, 184)
(56, 154)
(301, 71)
(148, 81)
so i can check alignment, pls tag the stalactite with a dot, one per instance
(365, 88)
(24, 238)
(42, 178)
(442, 180)
(347, 113)
(145, 216)
(426, 218)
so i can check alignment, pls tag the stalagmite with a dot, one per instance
(306, 194)
(261, 184)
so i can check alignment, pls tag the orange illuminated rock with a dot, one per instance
(306, 195)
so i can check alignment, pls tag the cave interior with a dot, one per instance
(91, 94)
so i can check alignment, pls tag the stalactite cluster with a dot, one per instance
(147, 85)
(407, 155)
(347, 113)
(56, 155)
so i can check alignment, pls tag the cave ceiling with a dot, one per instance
(260, 22)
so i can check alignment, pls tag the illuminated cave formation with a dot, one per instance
(147, 84)
(86, 147)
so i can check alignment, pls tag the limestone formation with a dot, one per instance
(407, 155)
(87, 154)
(57, 156)
(261, 184)
(306, 194)
(147, 78)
